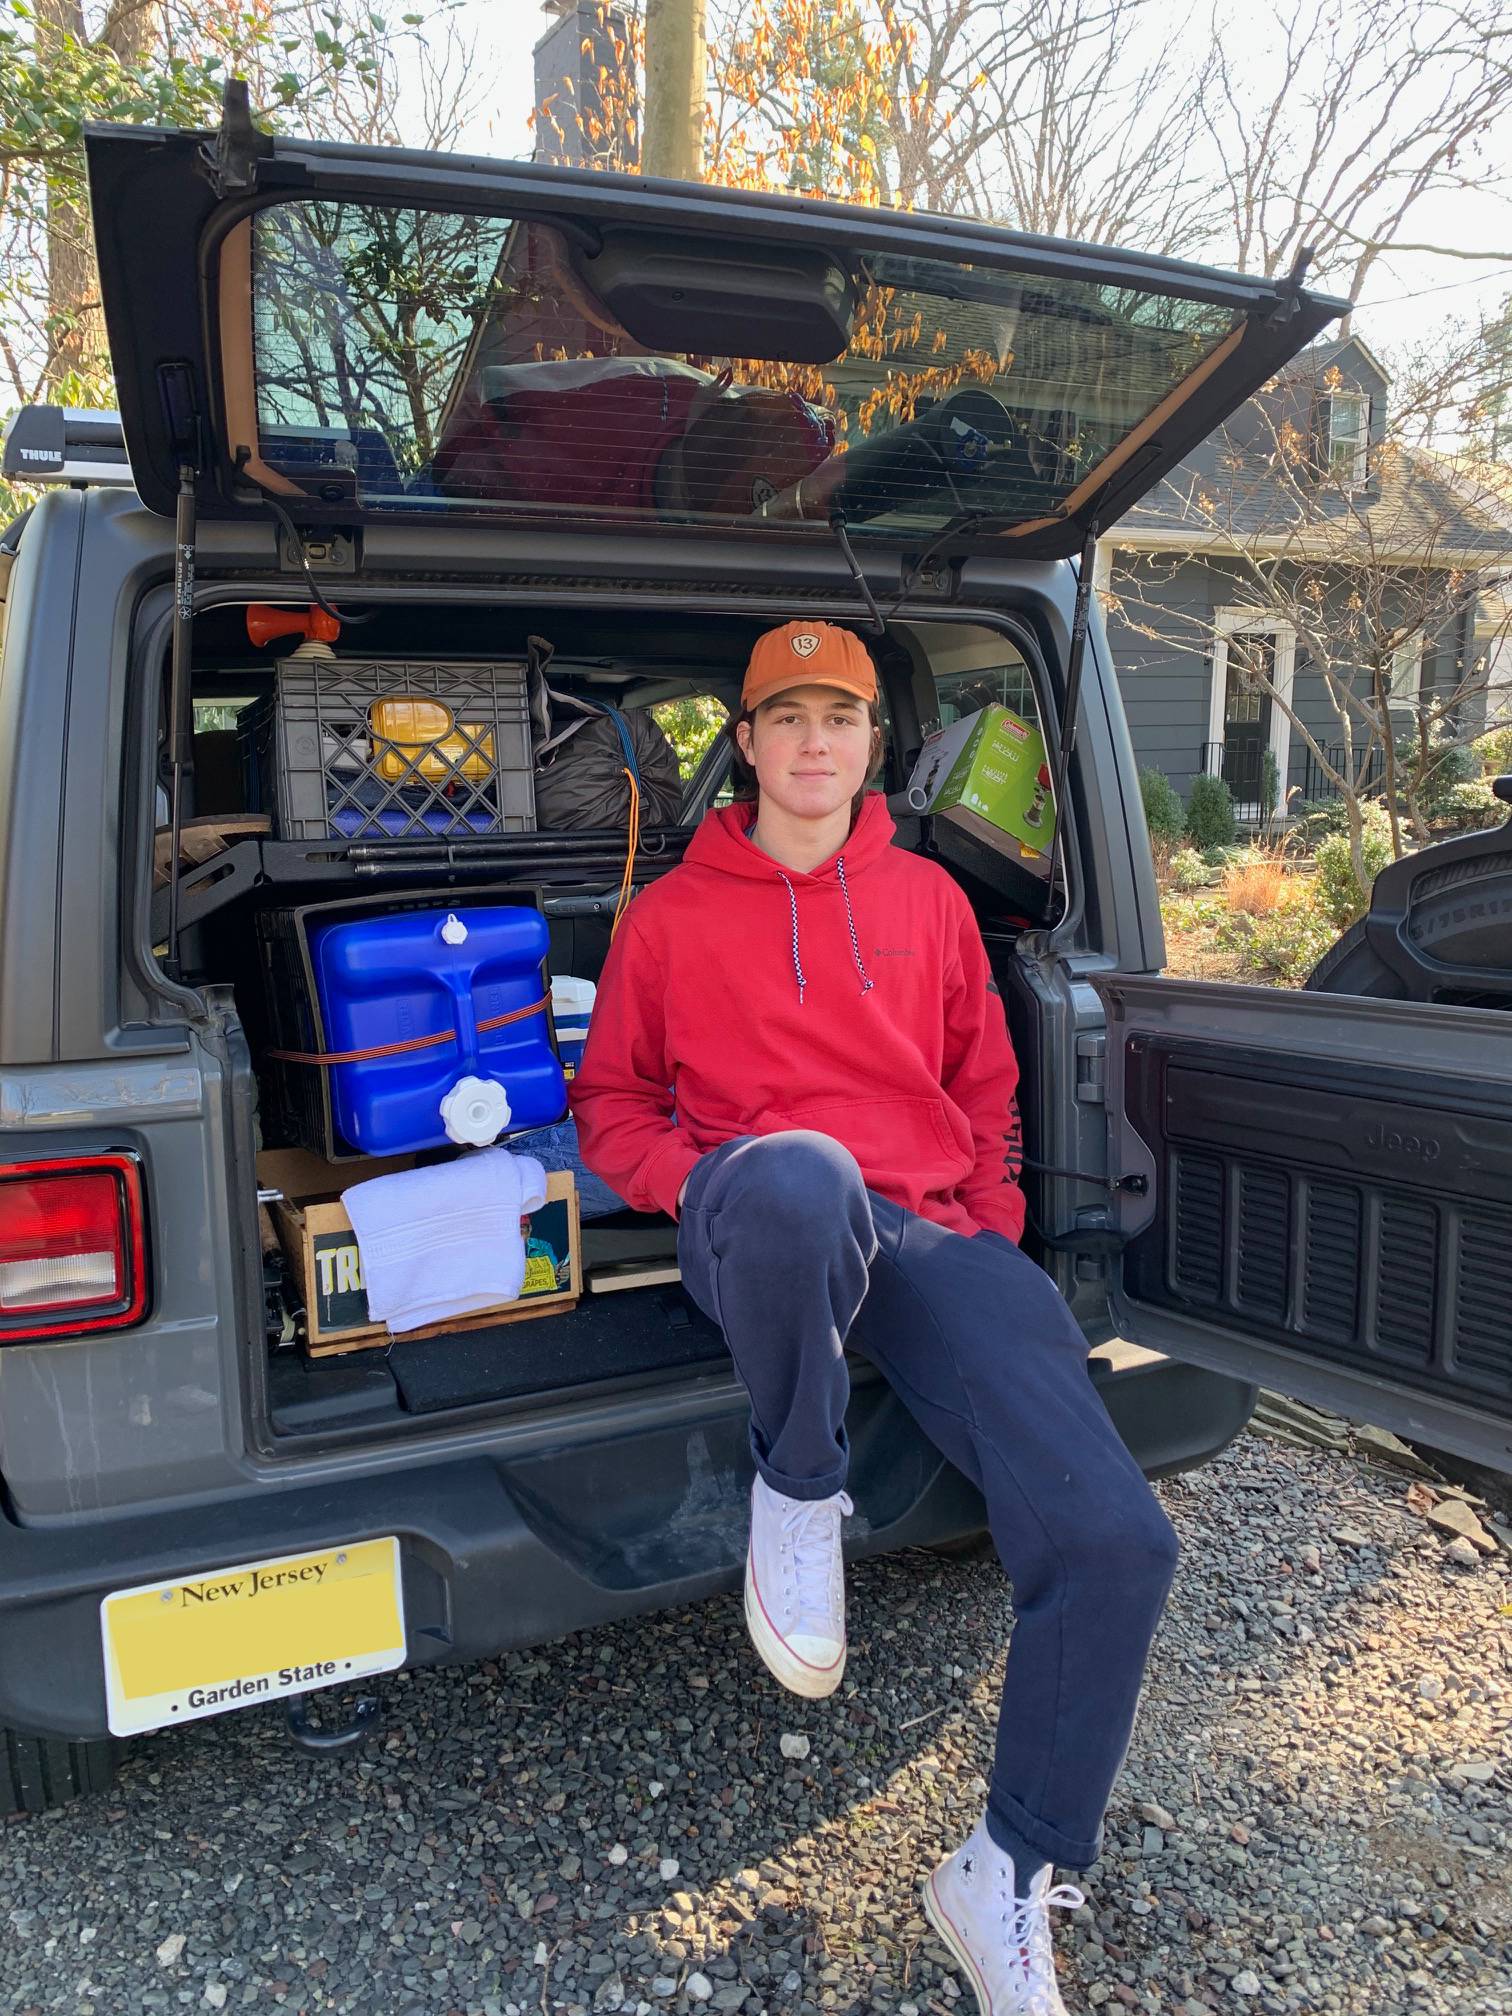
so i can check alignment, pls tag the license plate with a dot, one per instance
(175, 1651)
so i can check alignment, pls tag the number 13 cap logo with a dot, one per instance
(808, 654)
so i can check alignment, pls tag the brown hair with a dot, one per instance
(744, 788)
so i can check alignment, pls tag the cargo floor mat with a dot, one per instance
(636, 1334)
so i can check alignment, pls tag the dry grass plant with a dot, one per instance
(1256, 886)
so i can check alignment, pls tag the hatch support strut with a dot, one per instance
(1075, 659)
(176, 386)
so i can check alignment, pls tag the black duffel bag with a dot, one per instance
(582, 751)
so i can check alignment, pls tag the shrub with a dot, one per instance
(1254, 887)
(1188, 870)
(1318, 817)
(1285, 944)
(1270, 785)
(1449, 764)
(1339, 890)
(1191, 913)
(1495, 752)
(1162, 807)
(1470, 806)
(1210, 813)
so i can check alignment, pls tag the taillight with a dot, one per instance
(72, 1246)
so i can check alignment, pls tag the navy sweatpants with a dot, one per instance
(781, 1243)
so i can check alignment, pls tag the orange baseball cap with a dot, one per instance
(808, 654)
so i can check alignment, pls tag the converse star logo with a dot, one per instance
(805, 644)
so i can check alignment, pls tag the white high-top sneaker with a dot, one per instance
(1001, 1942)
(795, 1588)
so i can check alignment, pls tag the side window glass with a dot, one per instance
(690, 725)
(1006, 685)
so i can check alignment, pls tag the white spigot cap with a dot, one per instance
(475, 1112)
(454, 931)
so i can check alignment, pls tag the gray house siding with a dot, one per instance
(1161, 630)
(1249, 483)
(1166, 678)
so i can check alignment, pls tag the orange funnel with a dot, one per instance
(265, 623)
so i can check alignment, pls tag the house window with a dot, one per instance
(1008, 685)
(1406, 675)
(1347, 436)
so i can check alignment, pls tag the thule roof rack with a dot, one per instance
(65, 444)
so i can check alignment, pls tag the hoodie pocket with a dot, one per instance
(906, 1147)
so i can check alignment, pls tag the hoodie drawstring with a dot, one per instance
(850, 919)
(797, 962)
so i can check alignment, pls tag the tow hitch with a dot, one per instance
(321, 1738)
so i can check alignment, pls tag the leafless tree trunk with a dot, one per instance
(75, 325)
(677, 90)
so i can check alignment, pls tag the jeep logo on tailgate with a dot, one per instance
(1384, 1140)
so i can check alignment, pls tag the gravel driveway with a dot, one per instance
(1314, 1816)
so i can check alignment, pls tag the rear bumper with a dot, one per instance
(499, 1554)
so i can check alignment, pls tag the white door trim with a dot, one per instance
(1229, 623)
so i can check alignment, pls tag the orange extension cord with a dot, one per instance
(628, 878)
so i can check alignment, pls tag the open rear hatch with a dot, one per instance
(353, 331)
(349, 336)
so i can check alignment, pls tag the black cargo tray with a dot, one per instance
(614, 1339)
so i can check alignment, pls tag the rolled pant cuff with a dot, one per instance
(807, 1488)
(1009, 1824)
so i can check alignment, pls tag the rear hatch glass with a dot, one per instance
(364, 333)
(467, 361)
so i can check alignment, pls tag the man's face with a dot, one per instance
(810, 749)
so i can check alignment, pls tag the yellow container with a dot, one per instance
(420, 740)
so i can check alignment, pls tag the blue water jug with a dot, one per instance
(468, 980)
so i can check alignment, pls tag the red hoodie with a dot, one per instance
(741, 997)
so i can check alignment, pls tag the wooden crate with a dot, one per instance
(321, 1248)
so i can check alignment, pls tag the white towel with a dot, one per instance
(444, 1241)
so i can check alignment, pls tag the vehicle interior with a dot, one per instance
(551, 358)
(246, 892)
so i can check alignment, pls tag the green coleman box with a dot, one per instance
(987, 774)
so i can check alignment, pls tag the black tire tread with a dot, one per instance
(1456, 872)
(1352, 967)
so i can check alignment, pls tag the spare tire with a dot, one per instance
(1459, 914)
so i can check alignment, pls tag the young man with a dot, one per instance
(799, 1051)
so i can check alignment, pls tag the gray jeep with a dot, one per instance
(327, 358)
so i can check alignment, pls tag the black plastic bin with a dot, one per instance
(391, 749)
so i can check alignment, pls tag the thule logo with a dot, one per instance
(1384, 1140)
(38, 455)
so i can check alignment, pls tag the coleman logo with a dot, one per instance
(1391, 1141)
(805, 644)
